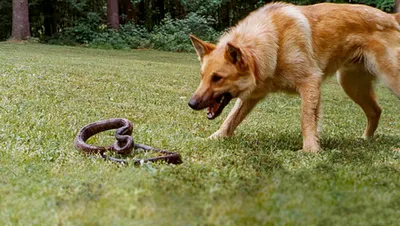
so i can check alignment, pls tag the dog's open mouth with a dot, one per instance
(219, 103)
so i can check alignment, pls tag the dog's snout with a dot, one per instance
(193, 103)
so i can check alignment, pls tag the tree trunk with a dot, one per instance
(20, 20)
(397, 6)
(160, 9)
(126, 8)
(49, 21)
(112, 14)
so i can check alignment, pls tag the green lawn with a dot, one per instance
(257, 177)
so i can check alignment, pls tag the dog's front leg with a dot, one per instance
(310, 103)
(235, 117)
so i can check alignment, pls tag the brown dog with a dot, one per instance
(283, 47)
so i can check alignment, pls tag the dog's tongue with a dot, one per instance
(212, 109)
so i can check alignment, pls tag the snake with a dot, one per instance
(123, 145)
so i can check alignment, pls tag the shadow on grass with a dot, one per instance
(269, 151)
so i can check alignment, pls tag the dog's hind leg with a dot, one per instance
(390, 75)
(357, 82)
(383, 60)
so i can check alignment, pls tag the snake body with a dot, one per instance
(123, 144)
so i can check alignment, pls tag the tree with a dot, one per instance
(20, 20)
(397, 6)
(112, 14)
(5, 19)
(49, 20)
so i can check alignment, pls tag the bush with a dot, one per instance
(83, 31)
(128, 36)
(173, 35)
(86, 29)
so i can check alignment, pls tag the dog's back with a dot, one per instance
(344, 33)
(332, 33)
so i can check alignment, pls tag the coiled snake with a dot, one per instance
(123, 145)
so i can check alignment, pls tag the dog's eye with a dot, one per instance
(216, 78)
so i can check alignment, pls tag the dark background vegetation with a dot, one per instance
(154, 24)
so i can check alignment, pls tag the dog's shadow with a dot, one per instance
(266, 151)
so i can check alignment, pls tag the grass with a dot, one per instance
(256, 177)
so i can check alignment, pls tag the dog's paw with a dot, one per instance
(367, 137)
(311, 148)
(218, 135)
(311, 145)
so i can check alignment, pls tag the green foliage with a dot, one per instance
(206, 7)
(129, 36)
(173, 35)
(83, 32)
(85, 29)
(386, 5)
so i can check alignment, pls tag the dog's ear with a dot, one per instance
(235, 56)
(202, 48)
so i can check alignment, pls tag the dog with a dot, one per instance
(282, 47)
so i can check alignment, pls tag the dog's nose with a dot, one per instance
(193, 103)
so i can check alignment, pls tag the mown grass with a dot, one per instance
(256, 177)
